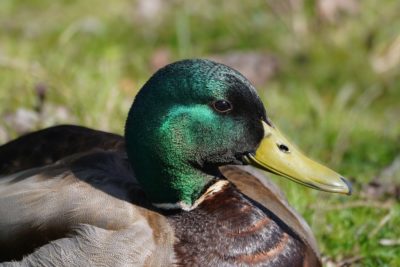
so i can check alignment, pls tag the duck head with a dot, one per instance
(194, 116)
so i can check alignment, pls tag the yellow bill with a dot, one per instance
(275, 154)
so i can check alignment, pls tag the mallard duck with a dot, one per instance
(174, 191)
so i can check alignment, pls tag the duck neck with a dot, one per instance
(168, 181)
(172, 187)
(182, 190)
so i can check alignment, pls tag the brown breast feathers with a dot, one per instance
(229, 228)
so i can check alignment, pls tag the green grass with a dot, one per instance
(329, 95)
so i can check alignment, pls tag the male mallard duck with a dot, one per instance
(72, 196)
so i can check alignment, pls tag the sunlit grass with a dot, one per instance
(328, 95)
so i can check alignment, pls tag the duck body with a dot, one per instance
(165, 194)
(59, 204)
(233, 230)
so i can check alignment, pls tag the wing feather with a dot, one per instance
(256, 186)
(85, 201)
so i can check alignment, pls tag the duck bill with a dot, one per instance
(277, 155)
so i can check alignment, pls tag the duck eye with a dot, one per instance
(222, 106)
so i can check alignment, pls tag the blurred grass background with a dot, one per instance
(327, 70)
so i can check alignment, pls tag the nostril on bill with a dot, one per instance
(283, 148)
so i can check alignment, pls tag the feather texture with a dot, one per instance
(79, 204)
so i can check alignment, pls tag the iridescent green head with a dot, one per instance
(191, 117)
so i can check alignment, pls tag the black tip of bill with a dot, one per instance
(349, 186)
